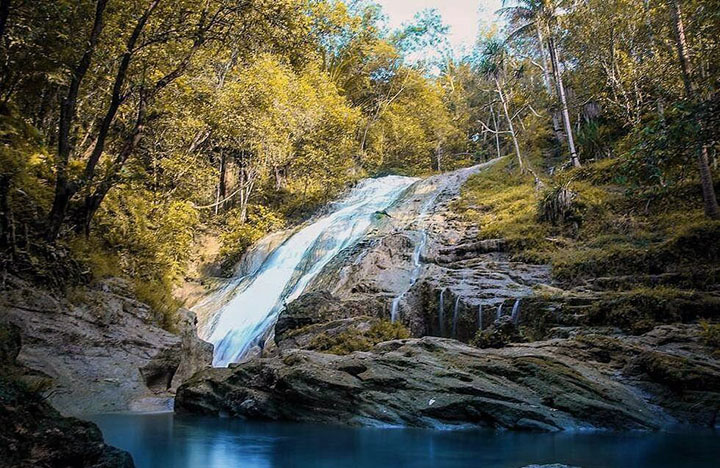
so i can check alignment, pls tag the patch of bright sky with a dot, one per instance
(463, 16)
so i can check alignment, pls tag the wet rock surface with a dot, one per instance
(428, 265)
(103, 351)
(592, 381)
(34, 434)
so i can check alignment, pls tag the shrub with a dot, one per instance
(639, 309)
(498, 335)
(158, 295)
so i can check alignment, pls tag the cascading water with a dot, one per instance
(515, 317)
(441, 312)
(499, 311)
(455, 317)
(480, 312)
(417, 252)
(417, 267)
(245, 319)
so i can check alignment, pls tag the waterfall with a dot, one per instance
(394, 309)
(499, 310)
(455, 317)
(441, 312)
(479, 316)
(516, 312)
(245, 320)
(417, 252)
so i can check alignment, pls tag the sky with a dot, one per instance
(463, 16)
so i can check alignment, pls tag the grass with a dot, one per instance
(711, 336)
(602, 230)
(158, 295)
(503, 203)
(653, 257)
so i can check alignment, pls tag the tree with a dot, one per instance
(541, 16)
(493, 65)
(711, 205)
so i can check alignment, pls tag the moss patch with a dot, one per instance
(354, 339)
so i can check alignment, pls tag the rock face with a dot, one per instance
(594, 381)
(33, 434)
(102, 350)
(428, 265)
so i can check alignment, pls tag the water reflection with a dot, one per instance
(164, 440)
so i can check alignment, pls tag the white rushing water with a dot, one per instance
(244, 320)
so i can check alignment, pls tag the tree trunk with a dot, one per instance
(438, 156)
(548, 86)
(510, 124)
(563, 102)
(63, 189)
(497, 131)
(709, 197)
(221, 189)
(682, 47)
(93, 201)
(117, 97)
(4, 211)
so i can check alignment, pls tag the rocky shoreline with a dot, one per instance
(591, 381)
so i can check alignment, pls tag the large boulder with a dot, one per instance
(435, 382)
(100, 348)
(33, 433)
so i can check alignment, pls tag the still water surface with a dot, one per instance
(166, 440)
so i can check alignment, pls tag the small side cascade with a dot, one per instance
(499, 310)
(417, 268)
(395, 307)
(455, 317)
(441, 312)
(479, 320)
(515, 317)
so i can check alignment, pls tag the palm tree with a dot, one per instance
(492, 65)
(539, 18)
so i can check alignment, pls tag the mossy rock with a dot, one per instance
(355, 339)
(678, 373)
(640, 309)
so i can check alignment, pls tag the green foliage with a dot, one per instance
(241, 234)
(354, 339)
(153, 241)
(102, 262)
(497, 335)
(637, 310)
(690, 245)
(252, 124)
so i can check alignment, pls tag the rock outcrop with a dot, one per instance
(101, 349)
(591, 381)
(33, 434)
(428, 265)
